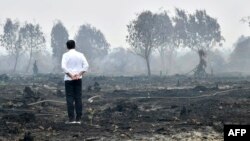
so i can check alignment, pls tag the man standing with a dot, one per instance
(74, 65)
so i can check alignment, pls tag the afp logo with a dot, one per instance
(237, 132)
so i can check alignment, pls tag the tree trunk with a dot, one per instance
(163, 64)
(57, 65)
(148, 65)
(200, 71)
(16, 59)
(170, 61)
(27, 69)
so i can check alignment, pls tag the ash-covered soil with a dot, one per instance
(123, 108)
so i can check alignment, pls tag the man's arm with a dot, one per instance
(85, 66)
(64, 67)
(81, 73)
(70, 75)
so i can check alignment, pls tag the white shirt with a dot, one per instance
(73, 62)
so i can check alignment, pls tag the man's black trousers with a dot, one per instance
(73, 90)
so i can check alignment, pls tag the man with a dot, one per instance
(74, 65)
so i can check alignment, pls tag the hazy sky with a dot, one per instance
(112, 16)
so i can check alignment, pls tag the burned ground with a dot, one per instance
(124, 108)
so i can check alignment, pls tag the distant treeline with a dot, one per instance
(155, 40)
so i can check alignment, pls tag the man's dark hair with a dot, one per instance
(71, 44)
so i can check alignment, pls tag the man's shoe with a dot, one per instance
(78, 122)
(70, 122)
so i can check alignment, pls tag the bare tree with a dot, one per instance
(92, 43)
(143, 37)
(203, 34)
(32, 38)
(240, 55)
(199, 32)
(164, 31)
(180, 35)
(59, 36)
(11, 40)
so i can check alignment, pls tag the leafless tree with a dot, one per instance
(143, 36)
(11, 40)
(32, 38)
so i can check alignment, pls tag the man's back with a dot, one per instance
(73, 62)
